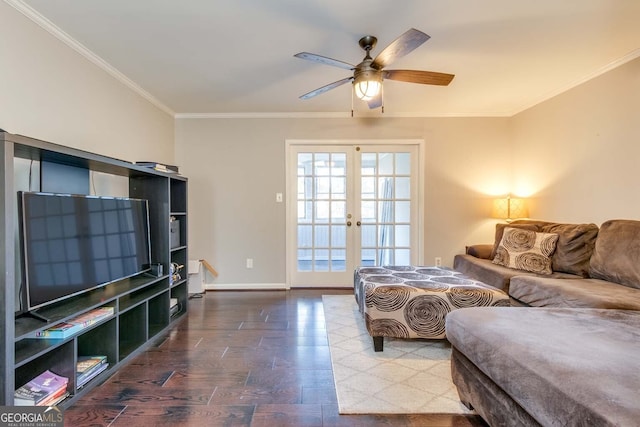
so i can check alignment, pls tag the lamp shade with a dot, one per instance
(509, 208)
(367, 89)
(367, 84)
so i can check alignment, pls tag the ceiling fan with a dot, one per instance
(368, 75)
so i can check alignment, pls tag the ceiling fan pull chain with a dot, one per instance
(352, 100)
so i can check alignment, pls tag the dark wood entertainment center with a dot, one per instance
(141, 303)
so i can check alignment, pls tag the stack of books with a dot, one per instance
(61, 330)
(159, 167)
(47, 389)
(93, 316)
(78, 323)
(89, 367)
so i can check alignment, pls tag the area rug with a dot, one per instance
(409, 376)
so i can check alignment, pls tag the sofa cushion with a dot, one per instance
(616, 257)
(579, 293)
(480, 250)
(500, 231)
(565, 367)
(574, 248)
(526, 250)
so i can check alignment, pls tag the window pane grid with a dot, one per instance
(322, 196)
(385, 208)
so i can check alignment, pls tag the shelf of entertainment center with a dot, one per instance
(27, 349)
(133, 299)
(27, 325)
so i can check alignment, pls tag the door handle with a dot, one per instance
(358, 223)
(348, 223)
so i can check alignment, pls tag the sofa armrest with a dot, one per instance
(482, 251)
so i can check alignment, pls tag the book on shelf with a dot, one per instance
(61, 330)
(74, 325)
(42, 389)
(55, 398)
(93, 316)
(88, 367)
(159, 166)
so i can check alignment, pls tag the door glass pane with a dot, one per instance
(403, 188)
(368, 212)
(321, 164)
(338, 211)
(322, 211)
(338, 260)
(321, 260)
(403, 164)
(338, 188)
(323, 187)
(385, 188)
(403, 211)
(368, 236)
(321, 236)
(304, 236)
(386, 163)
(368, 258)
(385, 235)
(368, 187)
(403, 257)
(305, 259)
(339, 236)
(403, 238)
(369, 163)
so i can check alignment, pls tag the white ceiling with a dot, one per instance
(235, 57)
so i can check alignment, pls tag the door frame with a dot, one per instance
(290, 215)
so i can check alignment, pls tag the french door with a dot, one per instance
(350, 205)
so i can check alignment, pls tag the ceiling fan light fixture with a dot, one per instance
(367, 85)
(370, 72)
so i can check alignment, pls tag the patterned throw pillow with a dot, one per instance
(526, 250)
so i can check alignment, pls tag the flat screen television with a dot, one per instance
(72, 244)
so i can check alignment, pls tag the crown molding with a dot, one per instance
(290, 115)
(50, 27)
(331, 115)
(596, 73)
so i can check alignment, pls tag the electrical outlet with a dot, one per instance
(279, 197)
(249, 262)
(438, 261)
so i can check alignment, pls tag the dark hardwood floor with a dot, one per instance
(237, 359)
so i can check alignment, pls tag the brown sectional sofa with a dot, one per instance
(547, 366)
(571, 360)
(592, 268)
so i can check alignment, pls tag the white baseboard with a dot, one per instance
(245, 286)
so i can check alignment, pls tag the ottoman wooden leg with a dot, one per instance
(377, 343)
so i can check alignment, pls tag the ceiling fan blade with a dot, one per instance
(326, 88)
(400, 47)
(376, 101)
(423, 77)
(324, 60)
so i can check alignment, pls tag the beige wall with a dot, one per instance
(235, 167)
(51, 92)
(578, 154)
(574, 155)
